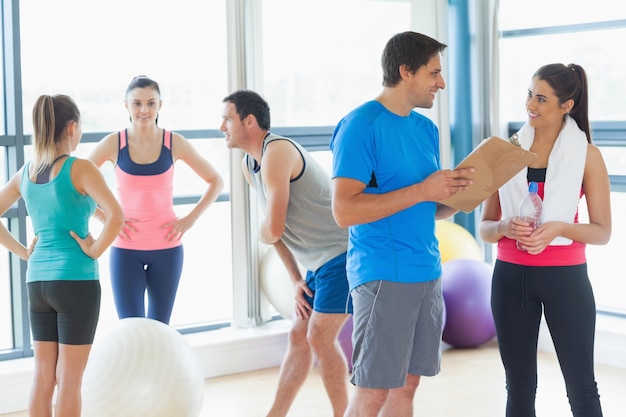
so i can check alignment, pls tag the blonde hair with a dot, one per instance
(51, 115)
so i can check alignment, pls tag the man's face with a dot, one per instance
(425, 82)
(232, 126)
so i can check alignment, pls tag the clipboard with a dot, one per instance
(495, 161)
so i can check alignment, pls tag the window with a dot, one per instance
(92, 58)
(325, 60)
(6, 330)
(587, 34)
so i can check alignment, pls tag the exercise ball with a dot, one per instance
(276, 284)
(466, 285)
(455, 242)
(142, 368)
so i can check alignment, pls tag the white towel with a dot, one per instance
(564, 177)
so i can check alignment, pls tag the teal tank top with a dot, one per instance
(55, 208)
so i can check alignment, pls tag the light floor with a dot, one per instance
(471, 384)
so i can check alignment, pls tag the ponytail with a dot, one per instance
(51, 115)
(580, 111)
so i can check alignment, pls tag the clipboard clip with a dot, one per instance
(514, 141)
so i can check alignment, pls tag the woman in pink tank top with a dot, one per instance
(147, 256)
(547, 276)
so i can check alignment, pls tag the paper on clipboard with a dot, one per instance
(495, 161)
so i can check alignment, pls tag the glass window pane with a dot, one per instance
(206, 286)
(3, 165)
(594, 51)
(6, 325)
(94, 59)
(319, 66)
(6, 315)
(2, 105)
(515, 14)
(186, 182)
(604, 260)
(615, 159)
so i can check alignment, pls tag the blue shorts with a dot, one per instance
(329, 284)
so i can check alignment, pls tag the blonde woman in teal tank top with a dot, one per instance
(61, 193)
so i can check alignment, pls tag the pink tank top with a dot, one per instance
(145, 192)
(573, 254)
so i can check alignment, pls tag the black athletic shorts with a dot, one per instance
(66, 312)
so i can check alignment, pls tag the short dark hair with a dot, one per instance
(407, 48)
(248, 102)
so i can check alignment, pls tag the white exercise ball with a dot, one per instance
(142, 368)
(276, 284)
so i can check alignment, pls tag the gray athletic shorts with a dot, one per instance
(397, 331)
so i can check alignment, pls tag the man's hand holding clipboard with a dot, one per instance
(495, 161)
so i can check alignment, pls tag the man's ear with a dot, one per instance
(249, 120)
(405, 73)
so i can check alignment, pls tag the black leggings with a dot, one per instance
(564, 293)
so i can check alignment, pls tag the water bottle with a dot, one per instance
(530, 208)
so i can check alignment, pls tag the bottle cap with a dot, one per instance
(533, 187)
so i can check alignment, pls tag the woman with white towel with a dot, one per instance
(548, 275)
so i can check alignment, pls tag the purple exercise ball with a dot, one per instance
(466, 285)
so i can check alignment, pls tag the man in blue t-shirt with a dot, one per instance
(387, 186)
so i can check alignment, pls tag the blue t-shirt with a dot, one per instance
(388, 152)
(55, 208)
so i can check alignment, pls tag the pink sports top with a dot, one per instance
(573, 254)
(145, 192)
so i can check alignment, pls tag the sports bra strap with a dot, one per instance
(122, 136)
(167, 140)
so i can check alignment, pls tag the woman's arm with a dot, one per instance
(183, 150)
(88, 179)
(9, 194)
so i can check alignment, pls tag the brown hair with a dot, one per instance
(407, 48)
(51, 115)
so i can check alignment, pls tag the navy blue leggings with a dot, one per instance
(135, 273)
(564, 294)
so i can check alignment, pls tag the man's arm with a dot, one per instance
(302, 307)
(352, 206)
(281, 162)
